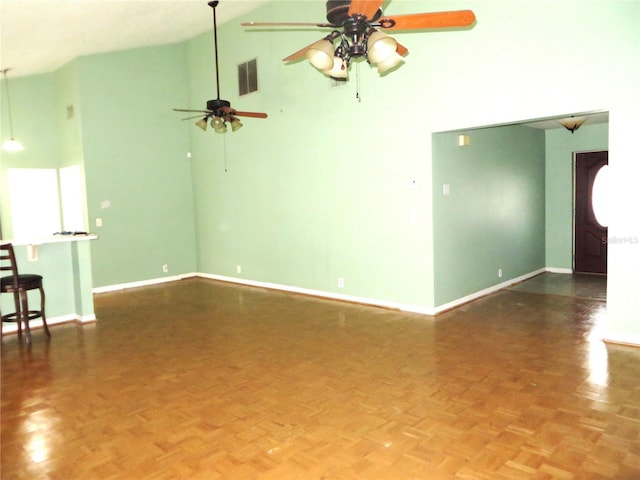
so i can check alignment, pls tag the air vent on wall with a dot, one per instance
(248, 77)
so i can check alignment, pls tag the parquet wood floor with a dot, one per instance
(205, 380)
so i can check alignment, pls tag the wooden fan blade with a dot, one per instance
(249, 114)
(299, 54)
(195, 116)
(288, 24)
(185, 110)
(416, 21)
(402, 50)
(368, 8)
(232, 111)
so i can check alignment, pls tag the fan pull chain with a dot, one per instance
(358, 82)
(224, 151)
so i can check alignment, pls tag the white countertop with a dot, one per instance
(52, 239)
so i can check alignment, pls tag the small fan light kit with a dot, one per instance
(219, 111)
(356, 28)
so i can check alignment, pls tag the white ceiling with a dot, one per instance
(38, 36)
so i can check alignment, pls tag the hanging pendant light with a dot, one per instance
(572, 123)
(11, 145)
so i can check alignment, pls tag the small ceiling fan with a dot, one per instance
(218, 110)
(360, 22)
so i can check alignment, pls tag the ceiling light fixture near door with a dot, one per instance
(11, 145)
(572, 123)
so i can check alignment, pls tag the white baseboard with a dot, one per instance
(421, 309)
(559, 270)
(487, 291)
(323, 294)
(142, 283)
(8, 328)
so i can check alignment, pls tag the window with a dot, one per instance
(248, 77)
(60, 197)
(34, 215)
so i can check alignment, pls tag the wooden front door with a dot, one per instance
(590, 252)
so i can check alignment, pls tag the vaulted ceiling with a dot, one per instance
(41, 36)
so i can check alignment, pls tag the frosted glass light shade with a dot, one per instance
(390, 62)
(339, 69)
(202, 123)
(380, 47)
(236, 125)
(320, 54)
(217, 122)
(218, 125)
(12, 145)
(573, 123)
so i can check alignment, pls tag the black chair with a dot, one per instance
(19, 285)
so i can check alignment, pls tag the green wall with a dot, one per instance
(322, 189)
(560, 145)
(493, 216)
(68, 112)
(138, 177)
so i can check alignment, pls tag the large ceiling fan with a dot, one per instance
(357, 28)
(219, 111)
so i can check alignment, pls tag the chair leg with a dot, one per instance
(24, 313)
(44, 317)
(16, 302)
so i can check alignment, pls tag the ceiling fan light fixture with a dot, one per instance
(218, 125)
(339, 69)
(202, 123)
(391, 61)
(218, 110)
(320, 54)
(236, 124)
(359, 23)
(380, 46)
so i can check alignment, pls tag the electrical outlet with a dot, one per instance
(499, 273)
(238, 268)
(165, 268)
(340, 282)
(98, 222)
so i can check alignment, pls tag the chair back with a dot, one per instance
(8, 261)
